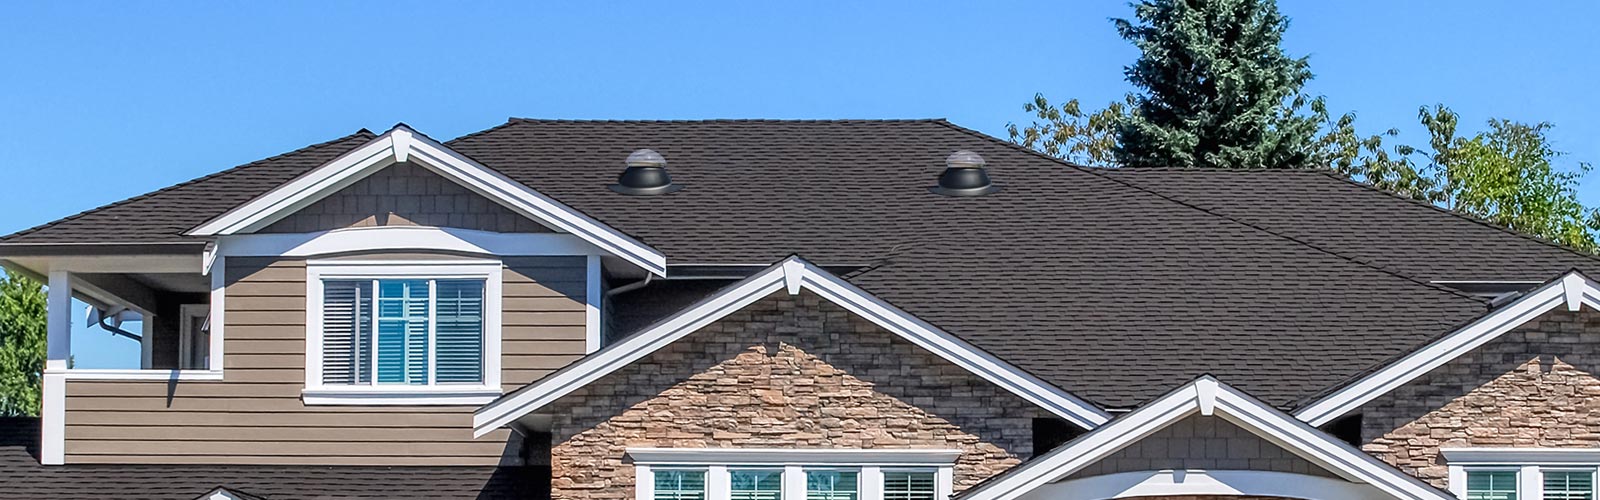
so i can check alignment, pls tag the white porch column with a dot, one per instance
(58, 352)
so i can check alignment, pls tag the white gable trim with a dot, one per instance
(1570, 291)
(221, 493)
(791, 275)
(359, 239)
(1205, 482)
(402, 144)
(1228, 403)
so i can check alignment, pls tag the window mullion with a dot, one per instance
(794, 483)
(718, 485)
(1530, 485)
(871, 483)
(433, 301)
(372, 331)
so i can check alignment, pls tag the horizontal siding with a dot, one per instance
(256, 416)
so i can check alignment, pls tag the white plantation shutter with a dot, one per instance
(909, 485)
(346, 331)
(1568, 485)
(458, 331)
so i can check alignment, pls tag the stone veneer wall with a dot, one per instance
(787, 371)
(1533, 387)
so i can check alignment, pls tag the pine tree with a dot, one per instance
(1217, 89)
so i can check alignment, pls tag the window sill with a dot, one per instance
(111, 374)
(475, 395)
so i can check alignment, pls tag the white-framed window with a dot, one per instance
(402, 332)
(1523, 473)
(194, 337)
(793, 474)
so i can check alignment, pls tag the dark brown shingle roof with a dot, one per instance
(1115, 285)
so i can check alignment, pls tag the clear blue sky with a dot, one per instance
(102, 101)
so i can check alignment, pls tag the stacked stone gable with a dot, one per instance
(786, 372)
(1534, 387)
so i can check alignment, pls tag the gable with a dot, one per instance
(793, 275)
(403, 145)
(790, 372)
(405, 194)
(1355, 475)
(1205, 443)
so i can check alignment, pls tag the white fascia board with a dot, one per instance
(898, 457)
(1521, 456)
(783, 276)
(401, 144)
(1229, 404)
(358, 239)
(1187, 483)
(1570, 291)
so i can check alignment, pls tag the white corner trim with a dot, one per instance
(53, 419)
(390, 238)
(491, 271)
(114, 374)
(1236, 407)
(216, 321)
(762, 284)
(402, 144)
(443, 395)
(1204, 482)
(1522, 456)
(593, 300)
(1535, 303)
(902, 457)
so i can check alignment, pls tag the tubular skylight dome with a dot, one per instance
(646, 175)
(964, 175)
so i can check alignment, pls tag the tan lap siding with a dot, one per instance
(255, 415)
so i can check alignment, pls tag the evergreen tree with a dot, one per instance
(1217, 90)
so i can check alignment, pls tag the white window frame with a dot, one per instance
(1530, 464)
(717, 462)
(186, 331)
(317, 393)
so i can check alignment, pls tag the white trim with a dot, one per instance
(1236, 407)
(220, 494)
(147, 341)
(1205, 482)
(402, 144)
(1570, 290)
(186, 314)
(756, 287)
(219, 296)
(390, 238)
(888, 457)
(440, 395)
(592, 302)
(316, 393)
(1521, 456)
(118, 374)
(58, 355)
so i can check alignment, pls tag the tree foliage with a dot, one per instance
(1215, 87)
(22, 345)
(1068, 133)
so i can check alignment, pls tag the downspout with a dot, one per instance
(631, 286)
(116, 330)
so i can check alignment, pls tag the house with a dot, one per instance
(788, 310)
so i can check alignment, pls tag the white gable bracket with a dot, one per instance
(401, 144)
(1572, 285)
(790, 275)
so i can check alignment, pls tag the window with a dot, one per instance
(1568, 485)
(680, 485)
(1491, 485)
(909, 485)
(404, 331)
(830, 484)
(756, 484)
(387, 332)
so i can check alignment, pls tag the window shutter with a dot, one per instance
(908, 485)
(458, 345)
(346, 335)
(1568, 485)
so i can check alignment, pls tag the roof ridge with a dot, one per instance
(236, 168)
(1479, 221)
(1103, 173)
(727, 120)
